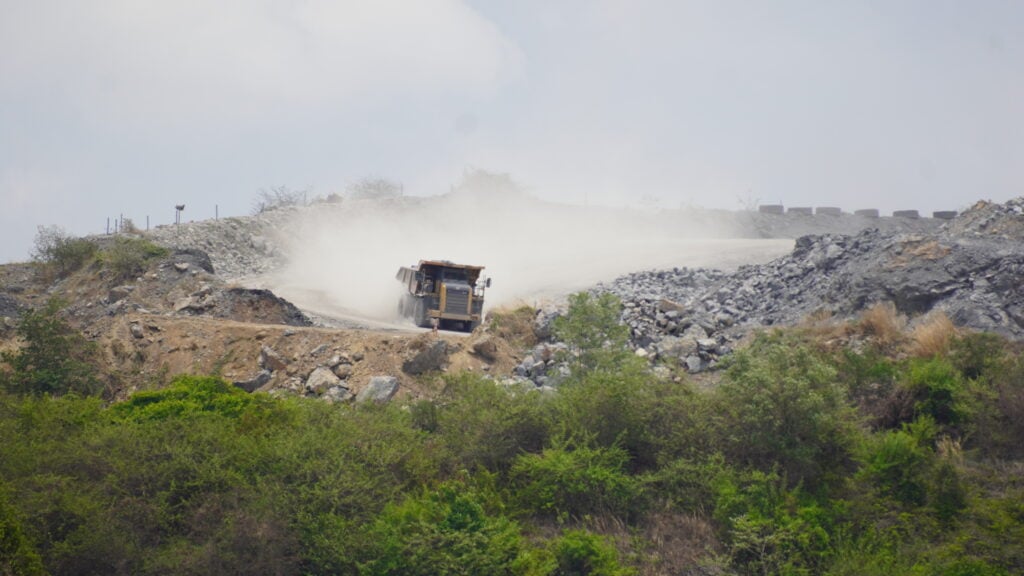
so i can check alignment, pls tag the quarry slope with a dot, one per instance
(300, 299)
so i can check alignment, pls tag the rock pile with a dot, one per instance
(239, 247)
(329, 379)
(972, 269)
(544, 366)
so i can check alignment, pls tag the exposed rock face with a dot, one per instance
(256, 305)
(9, 307)
(972, 269)
(380, 389)
(238, 246)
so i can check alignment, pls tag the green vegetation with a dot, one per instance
(63, 254)
(60, 254)
(55, 359)
(128, 257)
(803, 459)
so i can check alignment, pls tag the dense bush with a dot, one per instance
(444, 531)
(591, 328)
(569, 482)
(772, 470)
(781, 406)
(61, 252)
(54, 358)
(128, 257)
(581, 552)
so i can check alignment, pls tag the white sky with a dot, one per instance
(132, 106)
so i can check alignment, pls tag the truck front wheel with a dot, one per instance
(420, 314)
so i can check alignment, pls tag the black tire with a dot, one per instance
(419, 314)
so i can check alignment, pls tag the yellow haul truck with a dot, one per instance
(452, 294)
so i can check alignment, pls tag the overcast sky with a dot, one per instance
(132, 106)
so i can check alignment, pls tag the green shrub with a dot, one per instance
(18, 556)
(483, 424)
(631, 408)
(443, 531)
(996, 404)
(977, 354)
(128, 257)
(938, 391)
(688, 485)
(870, 379)
(64, 253)
(896, 463)
(780, 405)
(573, 481)
(582, 553)
(187, 396)
(947, 495)
(55, 359)
(592, 329)
(770, 529)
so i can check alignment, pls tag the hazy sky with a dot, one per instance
(130, 107)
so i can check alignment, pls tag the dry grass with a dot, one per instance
(665, 543)
(932, 336)
(883, 323)
(681, 542)
(822, 327)
(514, 324)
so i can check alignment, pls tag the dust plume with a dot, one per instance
(343, 257)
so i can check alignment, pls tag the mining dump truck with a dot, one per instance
(452, 295)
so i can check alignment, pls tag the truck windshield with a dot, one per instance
(455, 275)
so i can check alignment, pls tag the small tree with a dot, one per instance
(128, 257)
(278, 197)
(64, 253)
(374, 189)
(592, 329)
(54, 360)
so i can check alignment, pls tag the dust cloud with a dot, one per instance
(343, 257)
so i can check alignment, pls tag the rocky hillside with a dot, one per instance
(190, 310)
(971, 269)
(248, 246)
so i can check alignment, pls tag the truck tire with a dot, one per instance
(419, 315)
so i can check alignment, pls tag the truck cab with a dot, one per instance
(452, 295)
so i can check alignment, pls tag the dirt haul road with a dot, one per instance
(532, 279)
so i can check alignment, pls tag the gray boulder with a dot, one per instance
(119, 293)
(486, 348)
(320, 380)
(343, 371)
(379, 390)
(136, 330)
(255, 382)
(336, 394)
(271, 360)
(431, 357)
